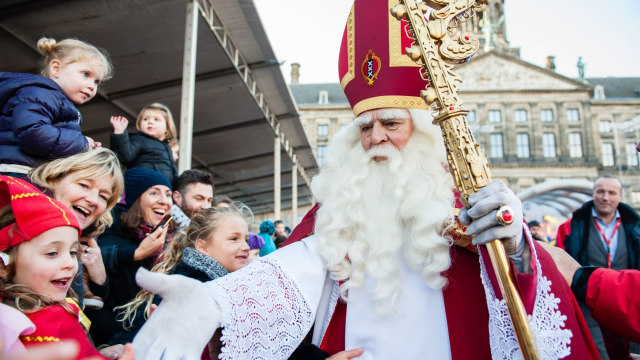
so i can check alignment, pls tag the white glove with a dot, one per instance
(481, 221)
(184, 322)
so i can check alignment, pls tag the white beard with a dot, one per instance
(372, 212)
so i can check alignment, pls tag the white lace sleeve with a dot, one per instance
(547, 323)
(268, 307)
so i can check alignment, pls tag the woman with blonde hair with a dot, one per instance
(89, 184)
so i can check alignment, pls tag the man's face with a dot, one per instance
(196, 197)
(385, 127)
(537, 232)
(607, 194)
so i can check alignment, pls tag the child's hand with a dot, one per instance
(119, 124)
(93, 144)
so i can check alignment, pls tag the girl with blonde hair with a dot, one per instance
(214, 244)
(39, 120)
(151, 147)
(38, 259)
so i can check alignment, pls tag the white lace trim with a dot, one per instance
(264, 313)
(546, 322)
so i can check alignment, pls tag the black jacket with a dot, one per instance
(581, 223)
(117, 246)
(142, 150)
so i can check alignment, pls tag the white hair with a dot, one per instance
(373, 215)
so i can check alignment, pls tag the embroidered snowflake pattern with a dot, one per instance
(546, 322)
(265, 315)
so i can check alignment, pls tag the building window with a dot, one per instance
(573, 115)
(608, 158)
(521, 115)
(320, 154)
(546, 115)
(575, 145)
(471, 116)
(549, 145)
(598, 92)
(323, 130)
(496, 146)
(605, 126)
(628, 126)
(323, 97)
(495, 116)
(632, 154)
(522, 145)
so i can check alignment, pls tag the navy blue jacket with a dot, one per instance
(38, 122)
(142, 150)
(580, 225)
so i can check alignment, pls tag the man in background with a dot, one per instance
(193, 191)
(604, 232)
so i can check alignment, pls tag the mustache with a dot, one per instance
(388, 151)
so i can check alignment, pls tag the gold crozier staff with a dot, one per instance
(436, 46)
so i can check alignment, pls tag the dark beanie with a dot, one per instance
(138, 180)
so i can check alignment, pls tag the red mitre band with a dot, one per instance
(34, 212)
(374, 70)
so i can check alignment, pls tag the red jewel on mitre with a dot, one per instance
(34, 212)
(374, 70)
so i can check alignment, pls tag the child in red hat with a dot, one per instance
(38, 260)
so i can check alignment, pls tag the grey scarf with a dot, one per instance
(202, 262)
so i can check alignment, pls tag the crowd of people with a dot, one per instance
(111, 253)
(64, 198)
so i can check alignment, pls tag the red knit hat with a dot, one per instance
(35, 212)
(374, 70)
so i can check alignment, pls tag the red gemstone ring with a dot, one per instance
(504, 215)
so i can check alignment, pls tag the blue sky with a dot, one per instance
(604, 33)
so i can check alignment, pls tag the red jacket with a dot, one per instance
(563, 230)
(613, 299)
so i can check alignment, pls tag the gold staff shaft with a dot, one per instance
(437, 46)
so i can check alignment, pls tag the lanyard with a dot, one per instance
(607, 241)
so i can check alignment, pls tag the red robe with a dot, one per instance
(55, 324)
(465, 305)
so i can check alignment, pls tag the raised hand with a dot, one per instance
(119, 124)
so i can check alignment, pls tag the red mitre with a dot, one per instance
(374, 70)
(34, 212)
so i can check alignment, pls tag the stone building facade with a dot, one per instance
(534, 125)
